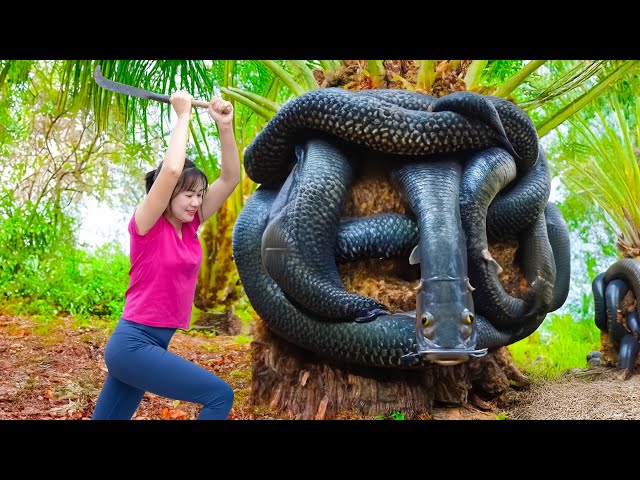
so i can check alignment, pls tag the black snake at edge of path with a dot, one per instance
(609, 289)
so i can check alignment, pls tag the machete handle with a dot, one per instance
(203, 104)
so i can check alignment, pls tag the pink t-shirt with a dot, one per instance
(163, 274)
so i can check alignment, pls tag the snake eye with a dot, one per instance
(427, 319)
(467, 317)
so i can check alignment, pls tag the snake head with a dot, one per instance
(445, 323)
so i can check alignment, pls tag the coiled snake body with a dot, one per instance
(289, 236)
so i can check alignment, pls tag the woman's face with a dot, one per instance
(185, 205)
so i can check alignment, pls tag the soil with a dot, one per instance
(54, 371)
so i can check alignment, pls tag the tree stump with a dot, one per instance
(304, 386)
(223, 323)
(296, 382)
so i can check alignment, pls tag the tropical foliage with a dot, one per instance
(62, 138)
(602, 166)
(548, 353)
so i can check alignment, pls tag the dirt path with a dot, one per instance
(57, 372)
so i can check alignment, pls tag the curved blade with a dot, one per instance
(127, 89)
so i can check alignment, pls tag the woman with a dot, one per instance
(165, 255)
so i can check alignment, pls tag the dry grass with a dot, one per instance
(56, 373)
(598, 394)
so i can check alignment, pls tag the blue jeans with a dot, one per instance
(138, 362)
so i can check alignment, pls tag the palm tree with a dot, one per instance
(550, 91)
(601, 168)
(604, 166)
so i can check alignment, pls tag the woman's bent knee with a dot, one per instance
(226, 396)
(219, 407)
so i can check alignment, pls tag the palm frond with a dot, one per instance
(609, 176)
(576, 77)
(285, 77)
(306, 73)
(473, 77)
(263, 108)
(515, 81)
(426, 74)
(571, 108)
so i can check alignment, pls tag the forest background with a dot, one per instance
(67, 145)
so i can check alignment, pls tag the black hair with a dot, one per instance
(189, 179)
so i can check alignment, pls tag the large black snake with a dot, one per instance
(289, 236)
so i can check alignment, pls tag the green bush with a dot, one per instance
(561, 343)
(44, 273)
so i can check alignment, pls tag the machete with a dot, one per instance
(140, 93)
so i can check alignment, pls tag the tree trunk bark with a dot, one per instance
(218, 276)
(293, 381)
